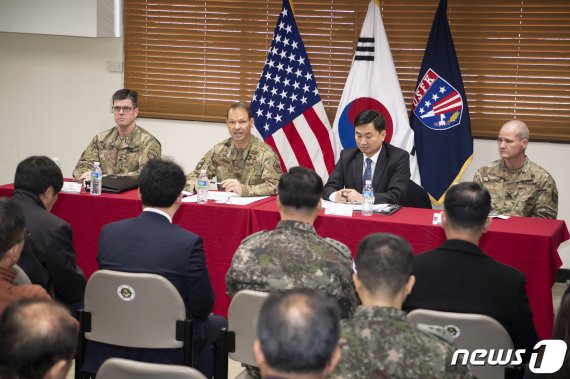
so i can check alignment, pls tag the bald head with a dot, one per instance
(298, 331)
(36, 335)
(519, 128)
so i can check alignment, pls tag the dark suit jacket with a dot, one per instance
(48, 256)
(459, 277)
(390, 179)
(149, 243)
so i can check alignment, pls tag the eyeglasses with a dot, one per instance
(124, 109)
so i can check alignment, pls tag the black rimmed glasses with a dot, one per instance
(122, 109)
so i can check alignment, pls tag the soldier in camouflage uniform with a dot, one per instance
(243, 163)
(293, 255)
(518, 186)
(124, 149)
(378, 342)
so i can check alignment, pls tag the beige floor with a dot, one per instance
(234, 368)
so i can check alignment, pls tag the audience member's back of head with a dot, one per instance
(12, 224)
(36, 335)
(298, 331)
(384, 263)
(160, 183)
(467, 206)
(300, 188)
(37, 173)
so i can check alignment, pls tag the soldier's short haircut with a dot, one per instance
(241, 105)
(160, 182)
(384, 263)
(298, 330)
(371, 116)
(37, 173)
(467, 206)
(12, 224)
(35, 335)
(125, 93)
(300, 188)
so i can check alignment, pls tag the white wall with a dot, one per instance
(55, 96)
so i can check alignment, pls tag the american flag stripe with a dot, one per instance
(296, 132)
(284, 149)
(315, 117)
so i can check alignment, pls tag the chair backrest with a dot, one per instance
(133, 310)
(416, 196)
(242, 315)
(470, 331)
(21, 276)
(118, 368)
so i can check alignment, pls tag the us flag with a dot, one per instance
(287, 109)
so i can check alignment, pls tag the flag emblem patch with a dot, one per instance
(437, 104)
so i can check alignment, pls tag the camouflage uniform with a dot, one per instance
(529, 191)
(294, 256)
(379, 342)
(257, 167)
(118, 155)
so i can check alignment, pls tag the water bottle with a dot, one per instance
(96, 179)
(368, 195)
(202, 187)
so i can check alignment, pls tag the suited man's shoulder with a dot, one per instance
(394, 150)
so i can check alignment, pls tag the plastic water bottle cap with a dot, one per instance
(96, 164)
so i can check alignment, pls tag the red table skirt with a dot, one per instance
(527, 244)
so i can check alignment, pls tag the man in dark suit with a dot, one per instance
(387, 166)
(459, 277)
(48, 256)
(151, 243)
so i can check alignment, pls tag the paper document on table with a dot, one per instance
(71, 187)
(220, 197)
(496, 215)
(346, 209)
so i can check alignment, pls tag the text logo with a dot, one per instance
(552, 357)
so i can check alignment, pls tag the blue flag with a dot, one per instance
(440, 115)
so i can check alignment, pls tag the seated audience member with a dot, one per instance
(151, 243)
(242, 163)
(294, 255)
(297, 335)
(123, 149)
(37, 340)
(12, 238)
(518, 186)
(459, 277)
(48, 257)
(387, 166)
(378, 341)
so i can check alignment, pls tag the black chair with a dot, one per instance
(416, 196)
